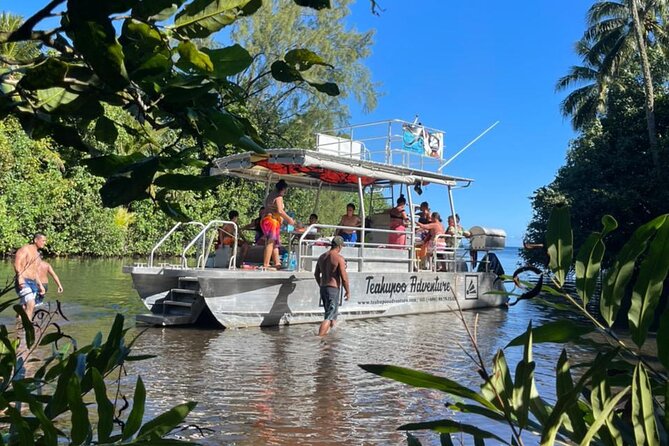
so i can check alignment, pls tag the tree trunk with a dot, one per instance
(647, 84)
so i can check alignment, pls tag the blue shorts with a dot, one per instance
(349, 238)
(330, 299)
(29, 292)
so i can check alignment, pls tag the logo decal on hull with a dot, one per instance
(471, 287)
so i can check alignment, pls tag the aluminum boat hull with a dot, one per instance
(238, 298)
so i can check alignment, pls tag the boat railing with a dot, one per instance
(166, 236)
(444, 254)
(452, 256)
(304, 243)
(393, 142)
(204, 253)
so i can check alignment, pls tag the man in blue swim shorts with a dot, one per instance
(331, 275)
(26, 267)
(350, 236)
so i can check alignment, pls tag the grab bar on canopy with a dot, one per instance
(201, 259)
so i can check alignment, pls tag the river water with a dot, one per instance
(285, 385)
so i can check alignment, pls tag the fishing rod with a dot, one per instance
(467, 146)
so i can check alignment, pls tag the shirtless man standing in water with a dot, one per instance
(26, 266)
(330, 274)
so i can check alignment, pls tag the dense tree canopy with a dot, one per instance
(57, 192)
(275, 107)
(618, 103)
(620, 39)
(144, 56)
(608, 171)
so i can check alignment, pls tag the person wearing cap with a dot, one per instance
(330, 274)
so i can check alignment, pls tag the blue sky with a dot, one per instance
(462, 66)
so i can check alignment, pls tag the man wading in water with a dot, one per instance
(331, 275)
(26, 267)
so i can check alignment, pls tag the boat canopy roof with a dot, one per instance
(310, 168)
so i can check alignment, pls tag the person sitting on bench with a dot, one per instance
(226, 237)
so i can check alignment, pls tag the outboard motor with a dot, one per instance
(494, 265)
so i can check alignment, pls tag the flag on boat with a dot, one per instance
(419, 140)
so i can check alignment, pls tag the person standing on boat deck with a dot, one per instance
(331, 275)
(424, 217)
(349, 235)
(434, 228)
(271, 223)
(26, 266)
(473, 254)
(45, 270)
(424, 214)
(398, 222)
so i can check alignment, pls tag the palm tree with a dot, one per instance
(15, 52)
(588, 101)
(617, 32)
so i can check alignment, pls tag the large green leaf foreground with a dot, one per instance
(138, 55)
(619, 397)
(52, 406)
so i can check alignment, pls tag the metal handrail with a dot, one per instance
(446, 250)
(303, 243)
(202, 234)
(391, 138)
(166, 236)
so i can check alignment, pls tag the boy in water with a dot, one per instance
(45, 270)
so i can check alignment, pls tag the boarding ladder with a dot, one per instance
(181, 306)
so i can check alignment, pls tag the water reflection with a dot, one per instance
(274, 386)
(287, 386)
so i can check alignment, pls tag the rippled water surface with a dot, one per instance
(287, 386)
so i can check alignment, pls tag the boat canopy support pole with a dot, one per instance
(450, 201)
(318, 197)
(361, 196)
(412, 235)
(389, 153)
(268, 187)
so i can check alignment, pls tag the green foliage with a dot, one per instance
(612, 400)
(46, 397)
(283, 114)
(171, 86)
(607, 172)
(560, 253)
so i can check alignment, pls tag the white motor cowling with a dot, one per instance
(483, 239)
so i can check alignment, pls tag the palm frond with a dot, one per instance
(595, 31)
(582, 105)
(606, 9)
(620, 54)
(577, 75)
